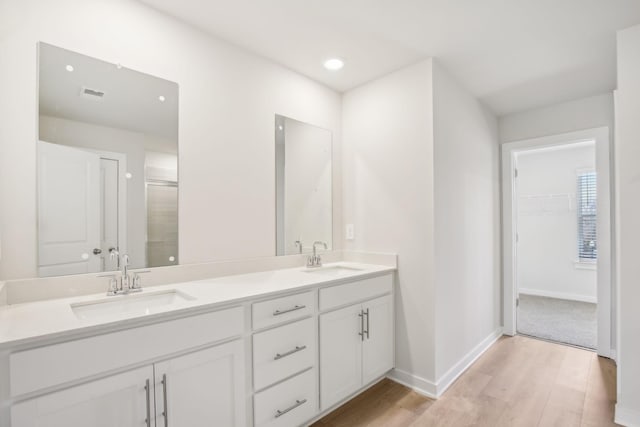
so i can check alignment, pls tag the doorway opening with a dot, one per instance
(556, 270)
(557, 239)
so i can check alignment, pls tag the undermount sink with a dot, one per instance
(136, 304)
(333, 270)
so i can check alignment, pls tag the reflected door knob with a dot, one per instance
(97, 251)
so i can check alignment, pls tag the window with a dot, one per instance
(586, 199)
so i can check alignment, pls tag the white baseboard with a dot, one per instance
(558, 295)
(434, 390)
(463, 364)
(418, 384)
(627, 417)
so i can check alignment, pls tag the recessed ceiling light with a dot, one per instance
(69, 68)
(280, 127)
(161, 98)
(333, 64)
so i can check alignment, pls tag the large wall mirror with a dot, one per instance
(107, 163)
(303, 186)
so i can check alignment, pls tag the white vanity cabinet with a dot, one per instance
(203, 384)
(378, 344)
(285, 375)
(284, 351)
(271, 361)
(205, 388)
(119, 400)
(340, 354)
(291, 403)
(197, 389)
(356, 341)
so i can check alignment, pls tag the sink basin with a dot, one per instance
(134, 304)
(333, 270)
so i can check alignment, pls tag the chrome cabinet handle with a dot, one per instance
(361, 316)
(280, 413)
(165, 413)
(279, 356)
(148, 392)
(366, 313)
(289, 310)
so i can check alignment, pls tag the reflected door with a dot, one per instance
(109, 208)
(68, 210)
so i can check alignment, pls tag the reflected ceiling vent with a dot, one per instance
(89, 93)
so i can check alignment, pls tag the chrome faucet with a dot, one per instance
(126, 281)
(315, 260)
(114, 255)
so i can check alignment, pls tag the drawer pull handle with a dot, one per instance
(165, 413)
(280, 413)
(366, 313)
(147, 390)
(279, 356)
(289, 310)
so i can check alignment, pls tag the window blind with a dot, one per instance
(586, 200)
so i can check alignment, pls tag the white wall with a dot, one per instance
(102, 138)
(547, 223)
(228, 99)
(627, 158)
(467, 227)
(586, 113)
(388, 196)
(421, 174)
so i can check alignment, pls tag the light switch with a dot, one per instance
(350, 232)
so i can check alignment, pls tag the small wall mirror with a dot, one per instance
(303, 186)
(107, 163)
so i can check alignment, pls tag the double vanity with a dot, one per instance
(274, 348)
(265, 345)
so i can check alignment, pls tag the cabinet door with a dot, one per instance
(378, 348)
(340, 354)
(205, 388)
(120, 400)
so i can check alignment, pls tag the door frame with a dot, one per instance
(604, 227)
(121, 158)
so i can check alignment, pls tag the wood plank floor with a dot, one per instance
(519, 381)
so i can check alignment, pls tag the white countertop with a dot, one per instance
(43, 322)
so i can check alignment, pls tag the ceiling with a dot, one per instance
(513, 55)
(130, 102)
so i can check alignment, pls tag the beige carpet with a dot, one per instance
(569, 322)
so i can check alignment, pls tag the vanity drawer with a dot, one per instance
(291, 403)
(281, 352)
(280, 310)
(349, 293)
(52, 365)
